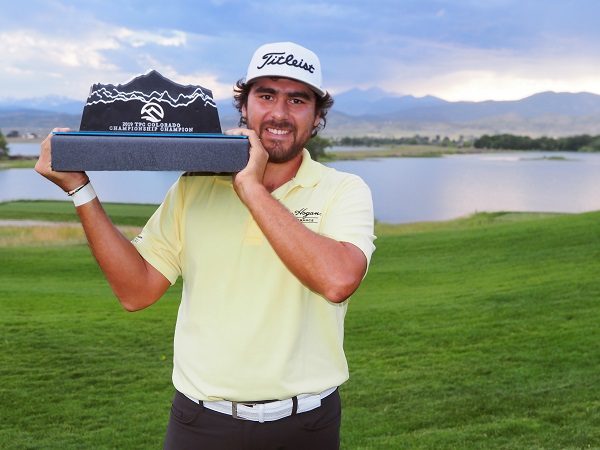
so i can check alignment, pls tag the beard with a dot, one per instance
(279, 151)
(280, 154)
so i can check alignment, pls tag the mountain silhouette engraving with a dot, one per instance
(150, 103)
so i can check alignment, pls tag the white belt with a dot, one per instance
(266, 412)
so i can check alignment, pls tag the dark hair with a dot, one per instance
(240, 99)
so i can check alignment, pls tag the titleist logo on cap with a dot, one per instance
(281, 58)
(288, 60)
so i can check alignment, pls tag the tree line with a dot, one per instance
(317, 145)
(579, 143)
(372, 141)
(3, 146)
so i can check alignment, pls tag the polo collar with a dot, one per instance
(309, 174)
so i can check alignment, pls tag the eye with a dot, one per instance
(266, 97)
(297, 101)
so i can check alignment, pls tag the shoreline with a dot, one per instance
(18, 162)
(393, 151)
(400, 151)
(23, 140)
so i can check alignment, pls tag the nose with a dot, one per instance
(279, 110)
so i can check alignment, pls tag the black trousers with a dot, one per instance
(193, 427)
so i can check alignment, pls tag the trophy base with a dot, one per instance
(114, 151)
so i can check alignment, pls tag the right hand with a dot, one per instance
(252, 175)
(67, 181)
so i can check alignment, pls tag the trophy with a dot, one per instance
(149, 123)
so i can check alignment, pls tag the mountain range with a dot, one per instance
(375, 112)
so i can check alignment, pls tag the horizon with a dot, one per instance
(362, 90)
(459, 50)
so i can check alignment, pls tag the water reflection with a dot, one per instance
(417, 189)
(121, 187)
(404, 189)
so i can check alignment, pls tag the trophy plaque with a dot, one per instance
(149, 123)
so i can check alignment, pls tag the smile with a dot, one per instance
(278, 131)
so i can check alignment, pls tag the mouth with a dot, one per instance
(278, 131)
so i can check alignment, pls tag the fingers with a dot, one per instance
(251, 134)
(43, 165)
(65, 180)
(256, 147)
(254, 171)
(239, 132)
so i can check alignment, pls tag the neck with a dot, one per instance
(277, 174)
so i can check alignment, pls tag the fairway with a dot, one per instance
(480, 333)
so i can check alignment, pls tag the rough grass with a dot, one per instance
(63, 211)
(50, 235)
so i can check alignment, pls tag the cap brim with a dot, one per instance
(321, 93)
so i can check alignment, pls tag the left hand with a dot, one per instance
(252, 175)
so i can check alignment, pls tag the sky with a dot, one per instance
(469, 50)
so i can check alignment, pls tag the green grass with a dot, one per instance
(479, 337)
(77, 372)
(17, 163)
(480, 333)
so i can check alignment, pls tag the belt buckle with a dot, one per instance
(260, 412)
(234, 411)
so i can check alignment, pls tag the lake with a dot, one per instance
(404, 189)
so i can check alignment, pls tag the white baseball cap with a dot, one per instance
(288, 60)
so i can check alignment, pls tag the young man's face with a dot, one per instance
(283, 114)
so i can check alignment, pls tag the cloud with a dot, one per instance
(220, 90)
(136, 38)
(29, 48)
(463, 71)
(454, 49)
(38, 63)
(303, 9)
(508, 74)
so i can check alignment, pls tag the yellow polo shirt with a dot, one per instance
(247, 329)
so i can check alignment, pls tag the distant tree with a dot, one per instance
(583, 142)
(316, 146)
(593, 146)
(574, 143)
(3, 146)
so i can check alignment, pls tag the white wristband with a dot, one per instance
(84, 195)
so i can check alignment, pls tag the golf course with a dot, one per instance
(477, 333)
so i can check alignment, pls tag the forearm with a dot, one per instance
(331, 268)
(135, 282)
(328, 267)
(125, 270)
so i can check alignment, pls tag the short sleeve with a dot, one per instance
(159, 243)
(350, 217)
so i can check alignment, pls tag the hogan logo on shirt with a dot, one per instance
(306, 216)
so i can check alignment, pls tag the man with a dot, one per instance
(268, 258)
